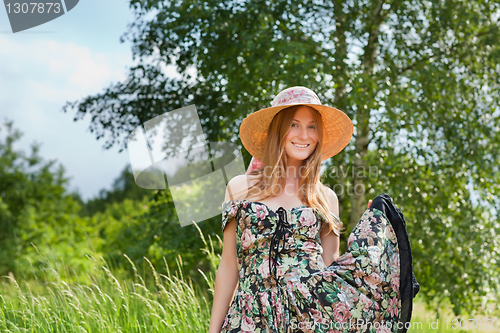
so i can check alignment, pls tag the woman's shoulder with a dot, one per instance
(330, 194)
(236, 195)
(237, 187)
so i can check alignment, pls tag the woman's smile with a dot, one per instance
(300, 146)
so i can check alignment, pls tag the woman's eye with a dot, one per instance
(294, 125)
(312, 127)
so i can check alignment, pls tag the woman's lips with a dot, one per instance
(304, 146)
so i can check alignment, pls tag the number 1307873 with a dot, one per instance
(472, 323)
(33, 8)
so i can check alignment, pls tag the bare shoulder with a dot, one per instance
(333, 200)
(238, 186)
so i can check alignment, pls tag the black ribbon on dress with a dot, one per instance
(279, 235)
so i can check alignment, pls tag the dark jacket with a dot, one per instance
(409, 286)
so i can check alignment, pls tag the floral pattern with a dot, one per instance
(359, 292)
(296, 95)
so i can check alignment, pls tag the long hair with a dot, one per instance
(272, 175)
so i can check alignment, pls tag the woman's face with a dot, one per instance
(302, 137)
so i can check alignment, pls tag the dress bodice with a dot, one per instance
(278, 244)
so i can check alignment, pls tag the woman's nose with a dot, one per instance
(303, 133)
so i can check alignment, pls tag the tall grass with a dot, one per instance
(116, 302)
(109, 303)
(444, 321)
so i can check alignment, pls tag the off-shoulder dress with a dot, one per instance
(284, 285)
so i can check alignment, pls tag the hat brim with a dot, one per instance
(337, 129)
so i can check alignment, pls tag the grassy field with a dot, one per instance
(108, 304)
(163, 303)
(424, 320)
(111, 304)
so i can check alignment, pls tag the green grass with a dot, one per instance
(425, 320)
(112, 301)
(109, 303)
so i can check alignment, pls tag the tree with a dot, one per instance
(149, 228)
(123, 187)
(39, 220)
(419, 79)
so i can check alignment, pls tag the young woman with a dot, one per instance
(280, 269)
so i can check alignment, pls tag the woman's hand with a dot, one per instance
(369, 203)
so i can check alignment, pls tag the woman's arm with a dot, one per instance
(330, 242)
(226, 279)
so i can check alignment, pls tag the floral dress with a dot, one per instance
(284, 285)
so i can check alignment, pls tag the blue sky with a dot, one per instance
(73, 56)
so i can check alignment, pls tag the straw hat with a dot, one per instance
(337, 127)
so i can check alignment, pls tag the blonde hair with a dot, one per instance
(311, 190)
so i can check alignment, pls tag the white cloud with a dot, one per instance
(37, 77)
(59, 65)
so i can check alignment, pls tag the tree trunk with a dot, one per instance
(358, 198)
(340, 72)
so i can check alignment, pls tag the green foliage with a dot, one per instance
(456, 240)
(36, 213)
(123, 187)
(150, 228)
(419, 79)
(111, 301)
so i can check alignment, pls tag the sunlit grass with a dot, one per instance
(116, 302)
(109, 303)
(424, 320)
